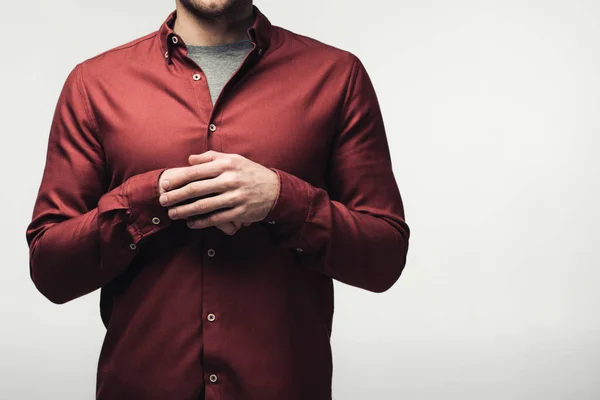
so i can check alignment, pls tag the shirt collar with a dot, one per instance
(259, 33)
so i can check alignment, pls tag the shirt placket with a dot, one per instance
(211, 243)
(214, 312)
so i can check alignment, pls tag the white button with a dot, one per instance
(166, 54)
(196, 77)
(213, 378)
(211, 252)
(260, 51)
(156, 220)
(211, 317)
(299, 250)
(132, 246)
(174, 39)
(212, 127)
(271, 222)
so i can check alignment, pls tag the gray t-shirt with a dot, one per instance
(219, 62)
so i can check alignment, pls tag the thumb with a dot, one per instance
(229, 228)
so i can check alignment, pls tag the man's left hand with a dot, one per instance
(240, 191)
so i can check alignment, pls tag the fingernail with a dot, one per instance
(165, 184)
(163, 199)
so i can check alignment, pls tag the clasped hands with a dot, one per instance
(231, 191)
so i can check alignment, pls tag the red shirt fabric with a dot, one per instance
(197, 313)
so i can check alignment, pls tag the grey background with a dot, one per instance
(492, 113)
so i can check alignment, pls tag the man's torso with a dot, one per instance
(273, 314)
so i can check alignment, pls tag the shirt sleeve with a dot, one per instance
(81, 236)
(355, 231)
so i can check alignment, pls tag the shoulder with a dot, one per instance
(296, 41)
(313, 53)
(125, 49)
(138, 51)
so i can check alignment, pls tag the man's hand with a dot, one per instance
(234, 191)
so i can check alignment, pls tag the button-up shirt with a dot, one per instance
(196, 313)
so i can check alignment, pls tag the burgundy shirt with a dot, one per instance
(196, 313)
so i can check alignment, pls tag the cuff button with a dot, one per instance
(156, 220)
(132, 246)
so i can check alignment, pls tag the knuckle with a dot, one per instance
(236, 161)
(231, 199)
(190, 174)
(242, 209)
(192, 188)
(227, 162)
(242, 197)
(235, 180)
(229, 179)
(198, 207)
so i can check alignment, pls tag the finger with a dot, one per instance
(216, 218)
(203, 206)
(229, 228)
(207, 156)
(238, 225)
(192, 190)
(180, 176)
(165, 180)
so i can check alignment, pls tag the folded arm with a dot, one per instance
(81, 236)
(355, 231)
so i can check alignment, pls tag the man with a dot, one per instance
(212, 178)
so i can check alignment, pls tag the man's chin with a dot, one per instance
(208, 9)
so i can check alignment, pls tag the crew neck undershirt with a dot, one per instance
(219, 62)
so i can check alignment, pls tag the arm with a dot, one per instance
(81, 236)
(356, 232)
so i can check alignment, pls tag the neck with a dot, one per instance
(229, 27)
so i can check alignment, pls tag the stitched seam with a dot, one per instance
(86, 101)
(308, 205)
(279, 189)
(220, 135)
(307, 210)
(133, 215)
(135, 43)
(350, 84)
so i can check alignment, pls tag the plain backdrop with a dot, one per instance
(492, 110)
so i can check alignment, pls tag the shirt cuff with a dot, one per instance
(288, 214)
(145, 213)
